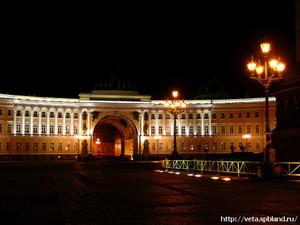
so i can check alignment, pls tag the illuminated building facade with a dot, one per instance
(127, 124)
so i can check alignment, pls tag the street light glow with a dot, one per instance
(265, 47)
(175, 94)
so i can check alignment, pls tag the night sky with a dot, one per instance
(62, 50)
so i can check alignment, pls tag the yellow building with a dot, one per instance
(127, 124)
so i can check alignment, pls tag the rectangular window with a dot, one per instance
(191, 146)
(35, 146)
(257, 145)
(51, 146)
(206, 129)
(248, 114)
(9, 128)
(160, 130)
(9, 112)
(223, 129)
(190, 116)
(230, 115)
(223, 146)
(239, 115)
(26, 146)
(198, 116)
(222, 115)
(191, 130)
(160, 116)
(215, 147)
(161, 146)
(153, 146)
(214, 116)
(231, 129)
(183, 146)
(182, 116)
(59, 146)
(257, 129)
(18, 146)
(68, 146)
(183, 130)
(152, 130)
(240, 129)
(214, 129)
(35, 114)
(248, 129)
(27, 128)
(44, 146)
(199, 146)
(256, 114)
(198, 129)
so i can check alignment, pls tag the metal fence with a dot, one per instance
(234, 167)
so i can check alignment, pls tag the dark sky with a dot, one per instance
(62, 50)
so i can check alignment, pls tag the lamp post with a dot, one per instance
(246, 136)
(175, 107)
(157, 144)
(272, 72)
(98, 143)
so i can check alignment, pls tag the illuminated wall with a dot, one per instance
(36, 128)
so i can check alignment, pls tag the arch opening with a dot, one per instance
(115, 136)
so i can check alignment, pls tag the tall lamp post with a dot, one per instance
(175, 107)
(98, 142)
(272, 72)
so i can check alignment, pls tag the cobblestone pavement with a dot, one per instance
(133, 193)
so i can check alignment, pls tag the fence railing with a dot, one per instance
(288, 168)
(234, 167)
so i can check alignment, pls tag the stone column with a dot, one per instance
(72, 123)
(209, 123)
(55, 121)
(40, 121)
(31, 121)
(23, 120)
(64, 122)
(48, 122)
(195, 122)
(142, 123)
(156, 122)
(202, 122)
(15, 121)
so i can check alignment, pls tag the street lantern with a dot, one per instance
(98, 142)
(273, 72)
(175, 107)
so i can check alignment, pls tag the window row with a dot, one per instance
(43, 146)
(44, 114)
(44, 128)
(223, 129)
(206, 115)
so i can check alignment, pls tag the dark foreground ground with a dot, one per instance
(132, 193)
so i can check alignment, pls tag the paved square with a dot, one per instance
(132, 193)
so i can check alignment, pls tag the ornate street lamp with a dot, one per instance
(272, 72)
(175, 107)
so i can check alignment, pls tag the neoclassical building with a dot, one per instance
(108, 123)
